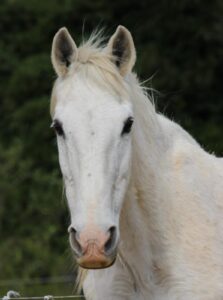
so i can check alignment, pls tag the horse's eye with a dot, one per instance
(127, 125)
(57, 126)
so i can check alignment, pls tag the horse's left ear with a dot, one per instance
(121, 48)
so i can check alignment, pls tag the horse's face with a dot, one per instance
(94, 142)
(93, 130)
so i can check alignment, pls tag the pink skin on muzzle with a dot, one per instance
(92, 242)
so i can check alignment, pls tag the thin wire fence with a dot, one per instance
(45, 281)
(45, 297)
(15, 296)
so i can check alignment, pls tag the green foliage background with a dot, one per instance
(180, 43)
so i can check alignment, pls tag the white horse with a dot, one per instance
(145, 199)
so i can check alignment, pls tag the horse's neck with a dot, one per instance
(150, 144)
(141, 199)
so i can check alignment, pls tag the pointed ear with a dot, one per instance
(122, 49)
(64, 51)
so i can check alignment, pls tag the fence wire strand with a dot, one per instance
(16, 296)
(43, 297)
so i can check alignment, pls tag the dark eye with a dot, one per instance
(57, 126)
(127, 125)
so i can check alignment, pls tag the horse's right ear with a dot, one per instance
(64, 51)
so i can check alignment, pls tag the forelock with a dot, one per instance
(94, 63)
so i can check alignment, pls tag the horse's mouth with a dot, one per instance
(93, 262)
(95, 259)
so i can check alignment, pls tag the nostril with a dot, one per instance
(72, 230)
(109, 245)
(75, 245)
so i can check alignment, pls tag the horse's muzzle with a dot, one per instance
(94, 249)
(94, 259)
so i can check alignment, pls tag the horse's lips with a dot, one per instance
(94, 263)
(92, 258)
